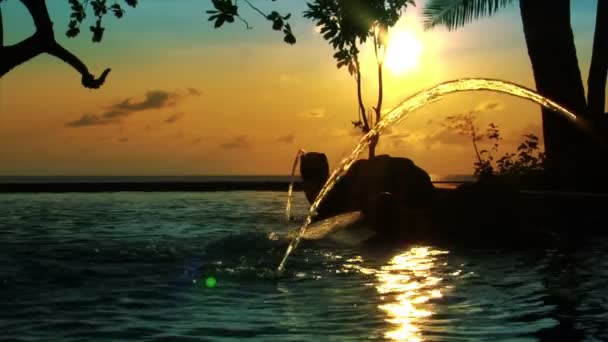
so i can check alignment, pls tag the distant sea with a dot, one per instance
(142, 179)
(181, 179)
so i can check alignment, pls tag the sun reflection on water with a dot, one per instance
(407, 285)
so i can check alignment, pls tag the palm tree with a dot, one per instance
(596, 84)
(550, 43)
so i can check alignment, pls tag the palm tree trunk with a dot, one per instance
(596, 84)
(1, 29)
(552, 52)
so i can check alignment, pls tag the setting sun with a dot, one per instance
(403, 52)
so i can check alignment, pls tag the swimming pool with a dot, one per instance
(198, 266)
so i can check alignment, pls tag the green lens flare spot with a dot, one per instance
(210, 282)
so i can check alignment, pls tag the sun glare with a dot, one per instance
(403, 52)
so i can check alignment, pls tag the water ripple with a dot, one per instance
(132, 266)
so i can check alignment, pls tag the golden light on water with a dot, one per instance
(407, 284)
(403, 52)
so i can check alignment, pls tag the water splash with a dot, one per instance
(321, 229)
(401, 111)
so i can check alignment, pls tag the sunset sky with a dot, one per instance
(185, 99)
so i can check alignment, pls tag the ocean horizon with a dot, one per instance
(50, 179)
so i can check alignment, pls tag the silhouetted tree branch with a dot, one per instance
(88, 80)
(226, 10)
(255, 8)
(43, 40)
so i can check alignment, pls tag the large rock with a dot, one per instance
(388, 190)
(314, 170)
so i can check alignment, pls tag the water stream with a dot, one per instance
(296, 161)
(401, 111)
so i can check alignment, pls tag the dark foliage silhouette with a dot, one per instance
(550, 41)
(527, 163)
(225, 11)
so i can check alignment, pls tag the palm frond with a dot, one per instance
(456, 13)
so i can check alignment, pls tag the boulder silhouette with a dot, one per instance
(389, 191)
(314, 170)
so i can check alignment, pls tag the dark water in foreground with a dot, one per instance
(136, 266)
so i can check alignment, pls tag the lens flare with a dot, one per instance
(210, 282)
